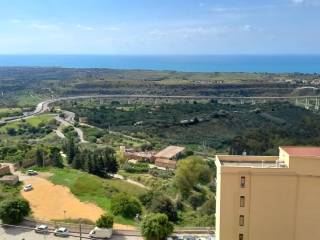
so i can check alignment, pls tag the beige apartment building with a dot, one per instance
(269, 197)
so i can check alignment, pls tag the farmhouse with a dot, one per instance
(168, 156)
(147, 156)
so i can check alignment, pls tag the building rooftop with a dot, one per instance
(302, 151)
(169, 152)
(250, 161)
(254, 164)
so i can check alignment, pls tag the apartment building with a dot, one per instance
(269, 197)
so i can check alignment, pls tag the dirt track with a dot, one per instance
(49, 201)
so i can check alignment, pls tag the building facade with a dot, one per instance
(264, 198)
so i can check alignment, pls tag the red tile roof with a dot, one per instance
(302, 151)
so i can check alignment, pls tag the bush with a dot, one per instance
(136, 168)
(196, 199)
(163, 204)
(126, 206)
(12, 211)
(105, 221)
(156, 226)
(161, 173)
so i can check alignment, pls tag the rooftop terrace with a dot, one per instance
(251, 161)
(254, 164)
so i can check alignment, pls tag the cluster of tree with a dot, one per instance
(26, 128)
(157, 202)
(105, 221)
(98, 161)
(125, 205)
(13, 210)
(44, 156)
(190, 173)
(156, 226)
(265, 141)
(39, 155)
(194, 180)
(14, 152)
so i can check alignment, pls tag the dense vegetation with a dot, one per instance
(256, 129)
(12, 211)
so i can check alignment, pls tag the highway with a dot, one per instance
(44, 106)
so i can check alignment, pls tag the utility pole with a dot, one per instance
(43, 159)
(80, 230)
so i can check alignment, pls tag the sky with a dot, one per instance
(168, 27)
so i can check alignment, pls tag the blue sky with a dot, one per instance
(159, 27)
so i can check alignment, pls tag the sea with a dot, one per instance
(187, 63)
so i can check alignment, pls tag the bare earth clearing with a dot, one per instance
(53, 202)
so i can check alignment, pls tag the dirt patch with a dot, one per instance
(50, 202)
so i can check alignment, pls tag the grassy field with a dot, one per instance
(93, 189)
(34, 121)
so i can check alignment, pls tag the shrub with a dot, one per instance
(136, 168)
(126, 206)
(105, 221)
(196, 199)
(12, 211)
(163, 204)
(156, 226)
(161, 173)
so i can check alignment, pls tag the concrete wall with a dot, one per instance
(4, 170)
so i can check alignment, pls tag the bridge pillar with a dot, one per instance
(306, 105)
(316, 107)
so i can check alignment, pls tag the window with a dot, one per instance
(242, 201)
(241, 220)
(240, 236)
(243, 182)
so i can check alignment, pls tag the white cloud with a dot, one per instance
(111, 29)
(83, 27)
(15, 20)
(45, 27)
(246, 28)
(298, 1)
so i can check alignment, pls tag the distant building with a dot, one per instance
(83, 120)
(147, 156)
(269, 197)
(167, 157)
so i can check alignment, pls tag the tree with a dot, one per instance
(163, 204)
(40, 157)
(55, 157)
(156, 226)
(196, 199)
(12, 211)
(71, 149)
(76, 162)
(105, 221)
(126, 206)
(190, 172)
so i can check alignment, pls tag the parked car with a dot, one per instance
(31, 172)
(42, 229)
(100, 233)
(27, 188)
(62, 232)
